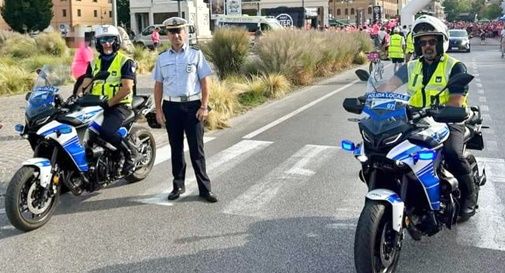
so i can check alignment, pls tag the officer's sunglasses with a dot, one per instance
(431, 42)
(104, 40)
(175, 30)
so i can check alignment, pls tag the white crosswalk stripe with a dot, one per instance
(486, 228)
(295, 170)
(164, 153)
(219, 163)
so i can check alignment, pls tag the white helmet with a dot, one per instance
(429, 25)
(107, 31)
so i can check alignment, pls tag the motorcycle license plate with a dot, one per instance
(455, 48)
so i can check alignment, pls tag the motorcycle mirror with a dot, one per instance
(28, 94)
(353, 105)
(362, 74)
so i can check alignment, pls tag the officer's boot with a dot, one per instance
(130, 155)
(468, 196)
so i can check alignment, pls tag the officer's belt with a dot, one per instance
(183, 98)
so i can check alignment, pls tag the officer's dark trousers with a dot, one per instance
(113, 118)
(453, 151)
(181, 118)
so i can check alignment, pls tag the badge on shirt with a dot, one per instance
(190, 68)
(438, 79)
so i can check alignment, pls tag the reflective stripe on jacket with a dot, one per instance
(112, 84)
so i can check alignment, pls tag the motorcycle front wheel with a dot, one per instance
(376, 243)
(145, 140)
(27, 205)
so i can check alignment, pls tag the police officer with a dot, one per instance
(181, 94)
(426, 77)
(117, 88)
(396, 48)
(410, 47)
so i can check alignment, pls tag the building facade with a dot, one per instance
(71, 13)
(348, 10)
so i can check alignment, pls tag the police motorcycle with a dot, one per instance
(68, 153)
(409, 186)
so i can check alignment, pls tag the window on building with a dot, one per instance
(95, 12)
(352, 11)
(369, 10)
(339, 12)
(79, 13)
(346, 11)
(64, 12)
(110, 13)
(94, 0)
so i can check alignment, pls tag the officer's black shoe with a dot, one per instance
(209, 197)
(176, 193)
(468, 197)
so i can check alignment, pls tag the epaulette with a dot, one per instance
(162, 52)
(195, 47)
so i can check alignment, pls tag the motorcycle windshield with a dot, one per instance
(41, 101)
(384, 110)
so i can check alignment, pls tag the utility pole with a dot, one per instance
(179, 12)
(114, 12)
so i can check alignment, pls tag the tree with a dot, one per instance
(491, 12)
(123, 12)
(27, 15)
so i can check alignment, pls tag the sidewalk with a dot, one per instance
(14, 149)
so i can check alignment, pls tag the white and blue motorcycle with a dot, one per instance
(69, 154)
(409, 187)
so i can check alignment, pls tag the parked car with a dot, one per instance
(459, 40)
(144, 37)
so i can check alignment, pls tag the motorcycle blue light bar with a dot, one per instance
(348, 145)
(426, 155)
(19, 128)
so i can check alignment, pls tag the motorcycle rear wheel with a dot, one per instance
(25, 205)
(375, 243)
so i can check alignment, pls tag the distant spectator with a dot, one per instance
(83, 56)
(155, 37)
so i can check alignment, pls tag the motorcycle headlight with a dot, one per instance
(392, 139)
(366, 136)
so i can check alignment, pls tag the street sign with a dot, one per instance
(285, 20)
(377, 14)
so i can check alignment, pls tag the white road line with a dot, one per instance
(299, 110)
(164, 153)
(479, 85)
(482, 99)
(2, 211)
(476, 75)
(484, 108)
(219, 163)
(486, 229)
(296, 170)
(487, 117)
(478, 80)
(480, 91)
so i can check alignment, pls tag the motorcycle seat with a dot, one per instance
(138, 101)
(130, 118)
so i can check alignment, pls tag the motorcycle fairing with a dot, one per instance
(66, 136)
(86, 114)
(423, 169)
(44, 166)
(396, 202)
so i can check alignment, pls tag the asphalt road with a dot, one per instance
(289, 200)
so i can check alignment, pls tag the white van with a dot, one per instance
(144, 38)
(250, 23)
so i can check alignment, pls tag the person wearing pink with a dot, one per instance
(83, 56)
(155, 37)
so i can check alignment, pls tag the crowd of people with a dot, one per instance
(476, 29)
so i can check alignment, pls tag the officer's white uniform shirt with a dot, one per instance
(181, 72)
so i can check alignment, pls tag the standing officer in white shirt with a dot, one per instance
(181, 94)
